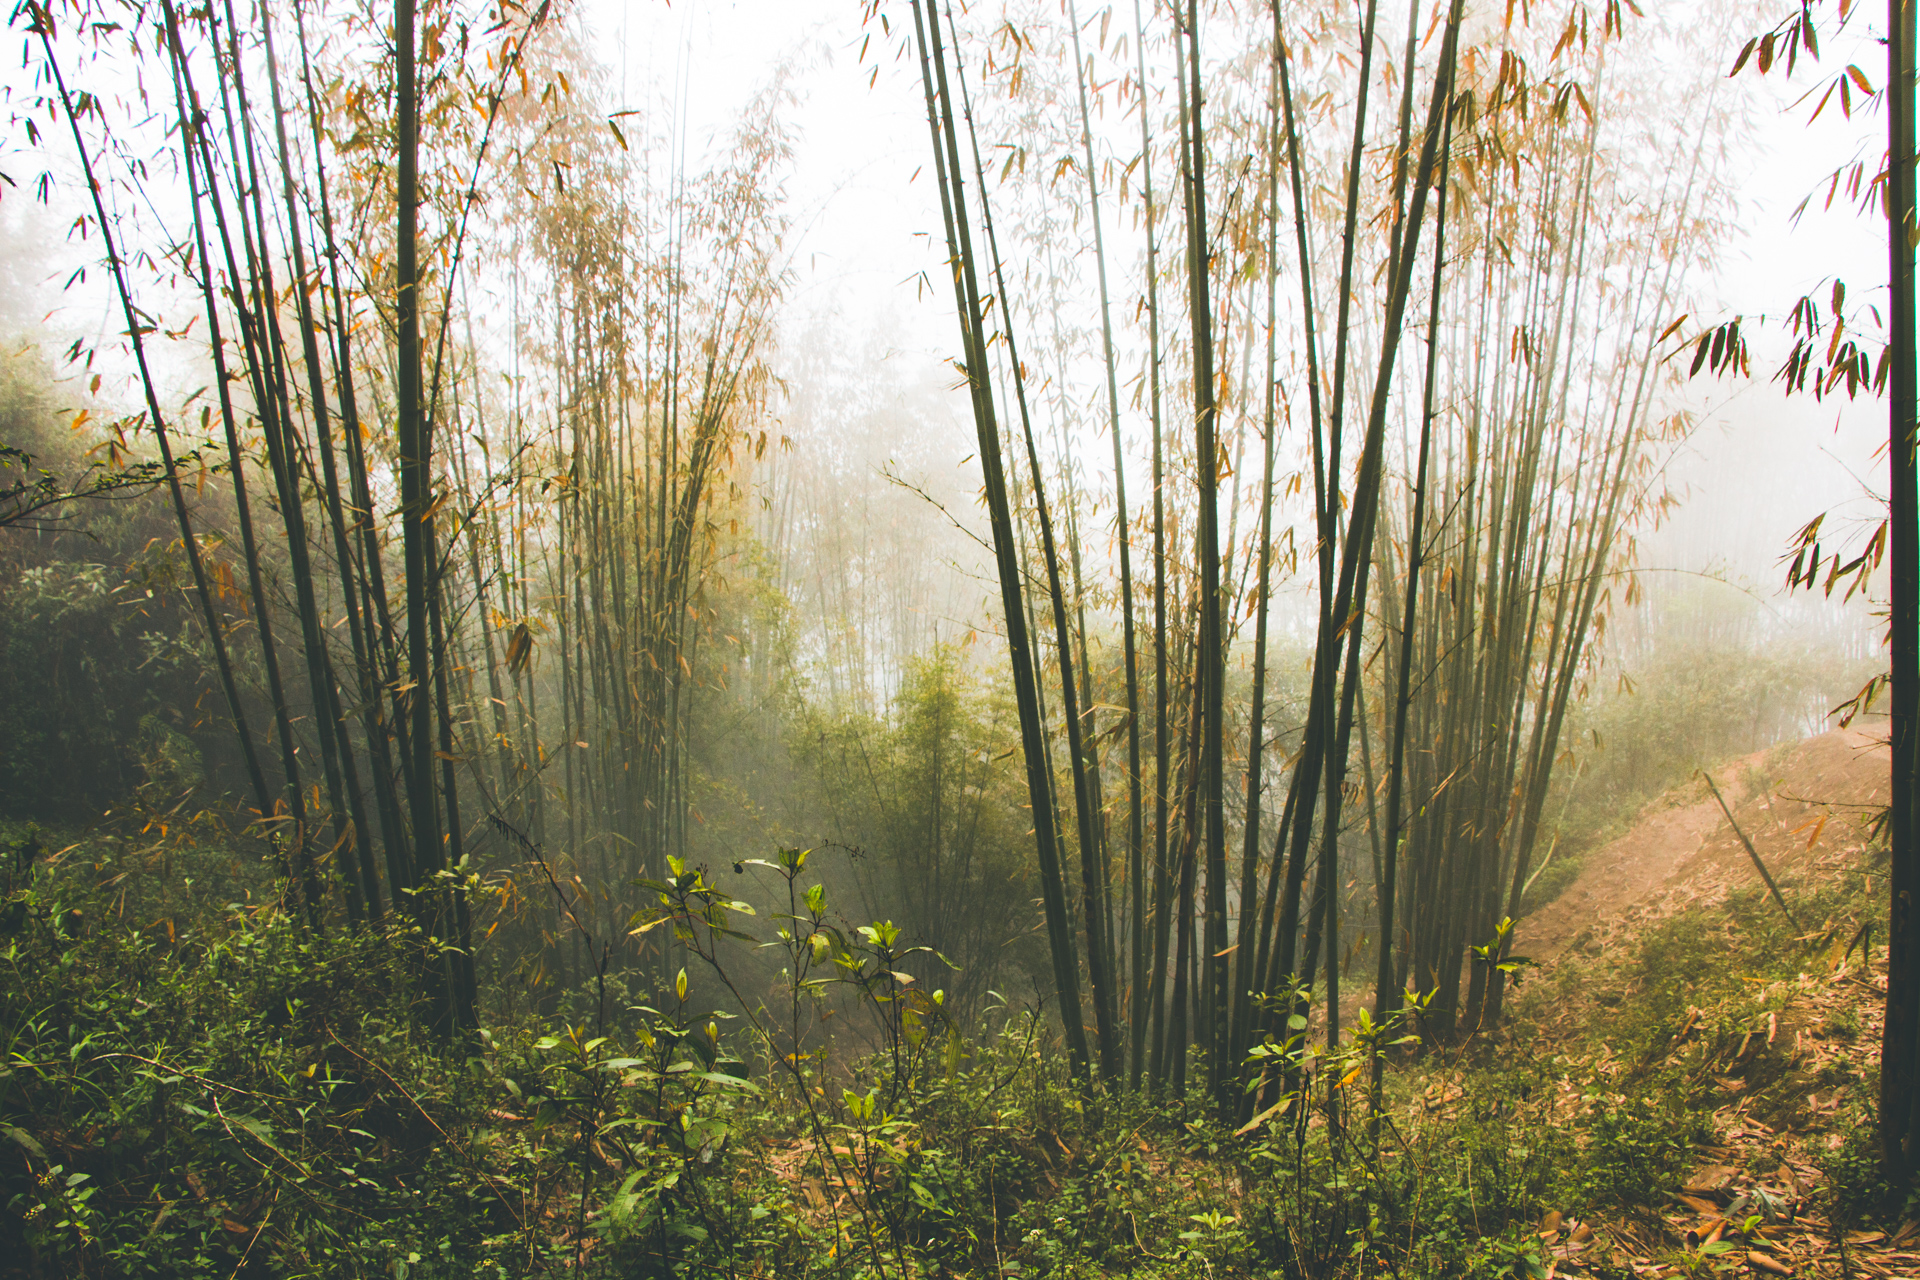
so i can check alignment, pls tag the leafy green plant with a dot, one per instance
(1855, 1188)
(1504, 1258)
(1634, 1143)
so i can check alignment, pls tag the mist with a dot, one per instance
(800, 639)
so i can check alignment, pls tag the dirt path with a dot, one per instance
(1681, 849)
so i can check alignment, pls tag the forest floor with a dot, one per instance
(1791, 1061)
(1684, 1087)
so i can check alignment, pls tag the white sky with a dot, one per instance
(866, 229)
(1758, 467)
(863, 219)
(1761, 465)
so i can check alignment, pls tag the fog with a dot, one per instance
(814, 550)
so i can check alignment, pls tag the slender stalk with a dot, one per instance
(1124, 530)
(1386, 994)
(1149, 992)
(948, 170)
(41, 25)
(1246, 962)
(416, 505)
(1210, 654)
(1900, 1043)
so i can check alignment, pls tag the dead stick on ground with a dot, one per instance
(1760, 866)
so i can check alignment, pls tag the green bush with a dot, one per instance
(1636, 1143)
(250, 1092)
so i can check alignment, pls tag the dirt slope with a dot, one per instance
(1792, 1084)
(1799, 805)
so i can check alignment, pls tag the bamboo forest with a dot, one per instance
(959, 638)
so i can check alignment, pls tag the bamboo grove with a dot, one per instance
(1367, 308)
(1245, 847)
(437, 528)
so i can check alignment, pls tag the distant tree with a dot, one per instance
(931, 800)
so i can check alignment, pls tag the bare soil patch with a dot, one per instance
(1807, 810)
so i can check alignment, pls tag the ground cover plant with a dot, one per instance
(222, 1089)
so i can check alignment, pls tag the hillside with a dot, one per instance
(1668, 961)
(1684, 1089)
(1800, 805)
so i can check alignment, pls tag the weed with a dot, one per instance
(1635, 1143)
(1854, 1188)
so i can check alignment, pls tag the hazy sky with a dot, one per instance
(1757, 468)
(1761, 465)
(862, 217)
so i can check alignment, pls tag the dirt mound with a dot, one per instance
(1801, 806)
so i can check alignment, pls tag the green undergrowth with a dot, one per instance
(235, 1094)
(1694, 984)
(1732, 1005)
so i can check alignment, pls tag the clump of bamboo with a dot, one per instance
(1524, 472)
(434, 536)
